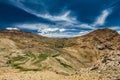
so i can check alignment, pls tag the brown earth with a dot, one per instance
(27, 56)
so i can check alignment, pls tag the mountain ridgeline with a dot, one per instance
(31, 52)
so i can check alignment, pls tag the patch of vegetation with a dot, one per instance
(63, 64)
(31, 55)
(41, 57)
(2, 49)
(18, 58)
(22, 59)
(16, 66)
(16, 62)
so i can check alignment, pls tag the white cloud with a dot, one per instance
(60, 35)
(119, 32)
(64, 17)
(41, 27)
(102, 18)
(29, 26)
(60, 17)
(46, 29)
(86, 26)
(51, 30)
(115, 27)
(10, 28)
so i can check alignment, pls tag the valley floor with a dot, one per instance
(48, 75)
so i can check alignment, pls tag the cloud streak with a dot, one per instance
(10, 28)
(102, 18)
(63, 16)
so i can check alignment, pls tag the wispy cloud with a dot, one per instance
(40, 27)
(29, 26)
(86, 26)
(64, 17)
(47, 29)
(10, 28)
(102, 18)
(59, 35)
(114, 27)
(117, 28)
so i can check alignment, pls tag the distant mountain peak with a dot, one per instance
(104, 31)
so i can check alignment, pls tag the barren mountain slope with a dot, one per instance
(107, 68)
(31, 52)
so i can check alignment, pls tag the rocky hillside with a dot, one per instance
(30, 52)
(107, 68)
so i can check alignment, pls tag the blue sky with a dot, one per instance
(60, 18)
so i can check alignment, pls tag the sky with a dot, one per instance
(59, 18)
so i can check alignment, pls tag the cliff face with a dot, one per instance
(31, 52)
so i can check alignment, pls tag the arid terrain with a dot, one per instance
(27, 56)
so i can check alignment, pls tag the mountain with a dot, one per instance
(26, 51)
